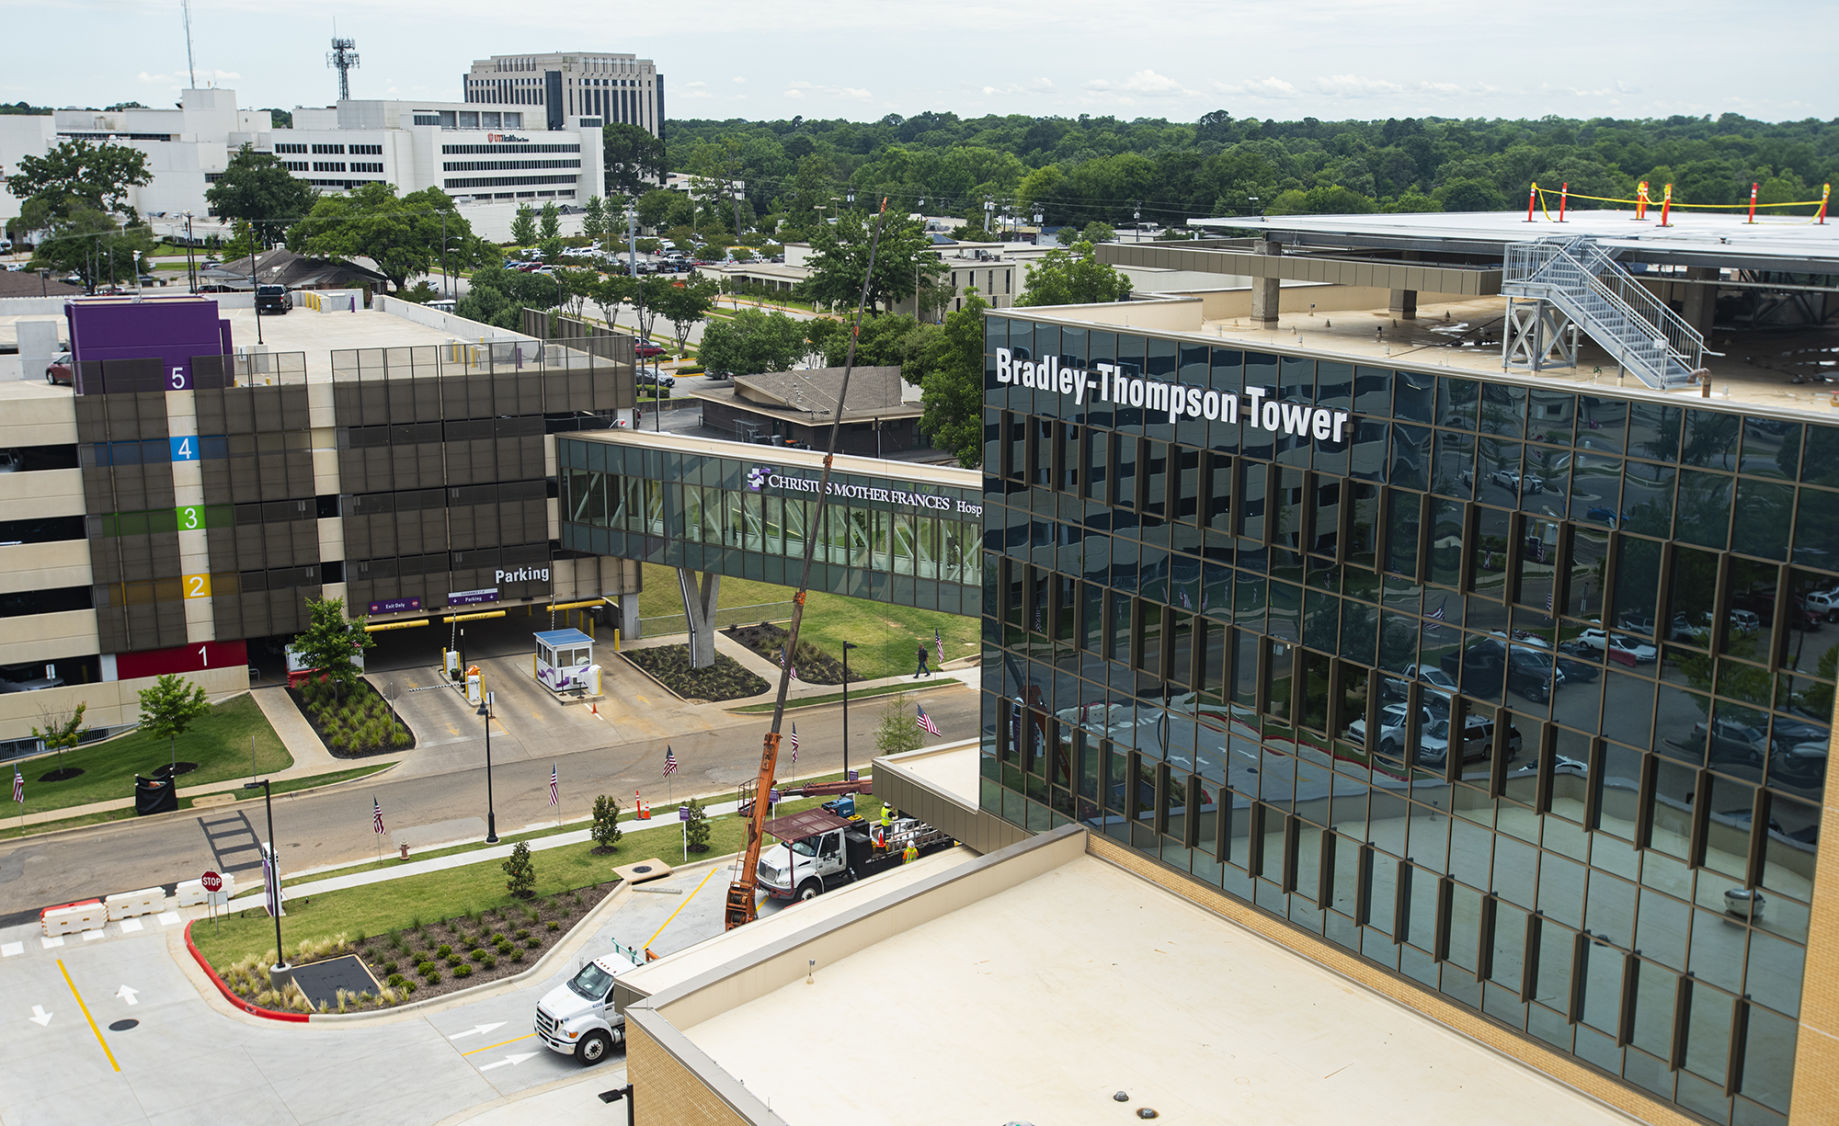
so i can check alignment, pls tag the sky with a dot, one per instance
(864, 59)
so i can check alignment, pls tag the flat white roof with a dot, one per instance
(1039, 1003)
(950, 769)
(1691, 235)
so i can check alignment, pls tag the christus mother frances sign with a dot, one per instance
(1109, 383)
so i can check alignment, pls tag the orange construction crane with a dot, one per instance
(740, 907)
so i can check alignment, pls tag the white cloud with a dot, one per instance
(852, 93)
(1146, 82)
(1041, 85)
(1268, 87)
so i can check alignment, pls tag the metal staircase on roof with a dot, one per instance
(1581, 280)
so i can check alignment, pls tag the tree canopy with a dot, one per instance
(78, 175)
(631, 156)
(684, 303)
(951, 394)
(751, 341)
(169, 706)
(402, 235)
(497, 296)
(257, 188)
(1073, 276)
(840, 259)
(330, 639)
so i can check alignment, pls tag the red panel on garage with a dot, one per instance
(182, 659)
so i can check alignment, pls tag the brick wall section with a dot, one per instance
(666, 1093)
(1562, 1068)
(1816, 1051)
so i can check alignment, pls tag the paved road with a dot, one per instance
(439, 793)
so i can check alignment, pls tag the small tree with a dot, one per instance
(594, 218)
(519, 872)
(606, 831)
(899, 730)
(168, 708)
(696, 829)
(329, 641)
(549, 222)
(62, 732)
(523, 226)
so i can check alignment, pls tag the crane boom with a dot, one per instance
(740, 907)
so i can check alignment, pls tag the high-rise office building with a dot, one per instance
(617, 88)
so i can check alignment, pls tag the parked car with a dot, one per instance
(60, 370)
(663, 379)
(1578, 672)
(1824, 603)
(149, 279)
(1514, 479)
(1489, 665)
(1619, 648)
(1477, 742)
(1731, 741)
(1439, 686)
(646, 350)
(1803, 764)
(1393, 722)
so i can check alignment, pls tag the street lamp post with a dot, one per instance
(255, 286)
(274, 860)
(491, 814)
(847, 646)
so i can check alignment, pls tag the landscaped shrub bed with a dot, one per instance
(424, 960)
(669, 665)
(813, 664)
(362, 723)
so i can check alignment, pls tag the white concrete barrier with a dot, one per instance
(128, 904)
(77, 917)
(191, 893)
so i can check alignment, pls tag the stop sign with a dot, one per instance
(211, 881)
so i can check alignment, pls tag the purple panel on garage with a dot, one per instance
(163, 333)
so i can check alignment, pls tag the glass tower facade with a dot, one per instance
(1520, 692)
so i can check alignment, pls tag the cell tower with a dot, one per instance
(343, 56)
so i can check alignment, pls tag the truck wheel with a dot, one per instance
(593, 1048)
(808, 890)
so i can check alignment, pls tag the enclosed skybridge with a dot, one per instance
(891, 531)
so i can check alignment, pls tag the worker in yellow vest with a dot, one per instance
(910, 853)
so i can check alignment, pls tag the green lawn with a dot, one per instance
(219, 743)
(886, 636)
(127, 814)
(395, 904)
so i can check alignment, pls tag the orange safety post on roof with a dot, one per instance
(1666, 205)
(1752, 201)
(1641, 201)
(1825, 191)
(1564, 194)
(1531, 195)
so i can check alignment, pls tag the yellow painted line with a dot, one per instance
(476, 1051)
(86, 1016)
(680, 906)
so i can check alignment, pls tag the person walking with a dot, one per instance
(922, 670)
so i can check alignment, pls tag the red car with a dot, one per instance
(646, 350)
(59, 370)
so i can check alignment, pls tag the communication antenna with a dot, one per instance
(191, 72)
(344, 57)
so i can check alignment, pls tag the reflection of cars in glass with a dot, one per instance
(1603, 515)
(1439, 686)
(1695, 629)
(1623, 650)
(1392, 724)
(1731, 741)
(1477, 742)
(1824, 603)
(1803, 764)
(1513, 479)
(1574, 671)
(1487, 665)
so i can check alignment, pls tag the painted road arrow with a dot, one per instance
(509, 1061)
(127, 993)
(478, 1030)
(39, 1016)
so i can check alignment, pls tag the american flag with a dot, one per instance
(1435, 616)
(670, 760)
(794, 742)
(925, 721)
(554, 797)
(1185, 604)
(19, 786)
(938, 643)
(376, 816)
(783, 663)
